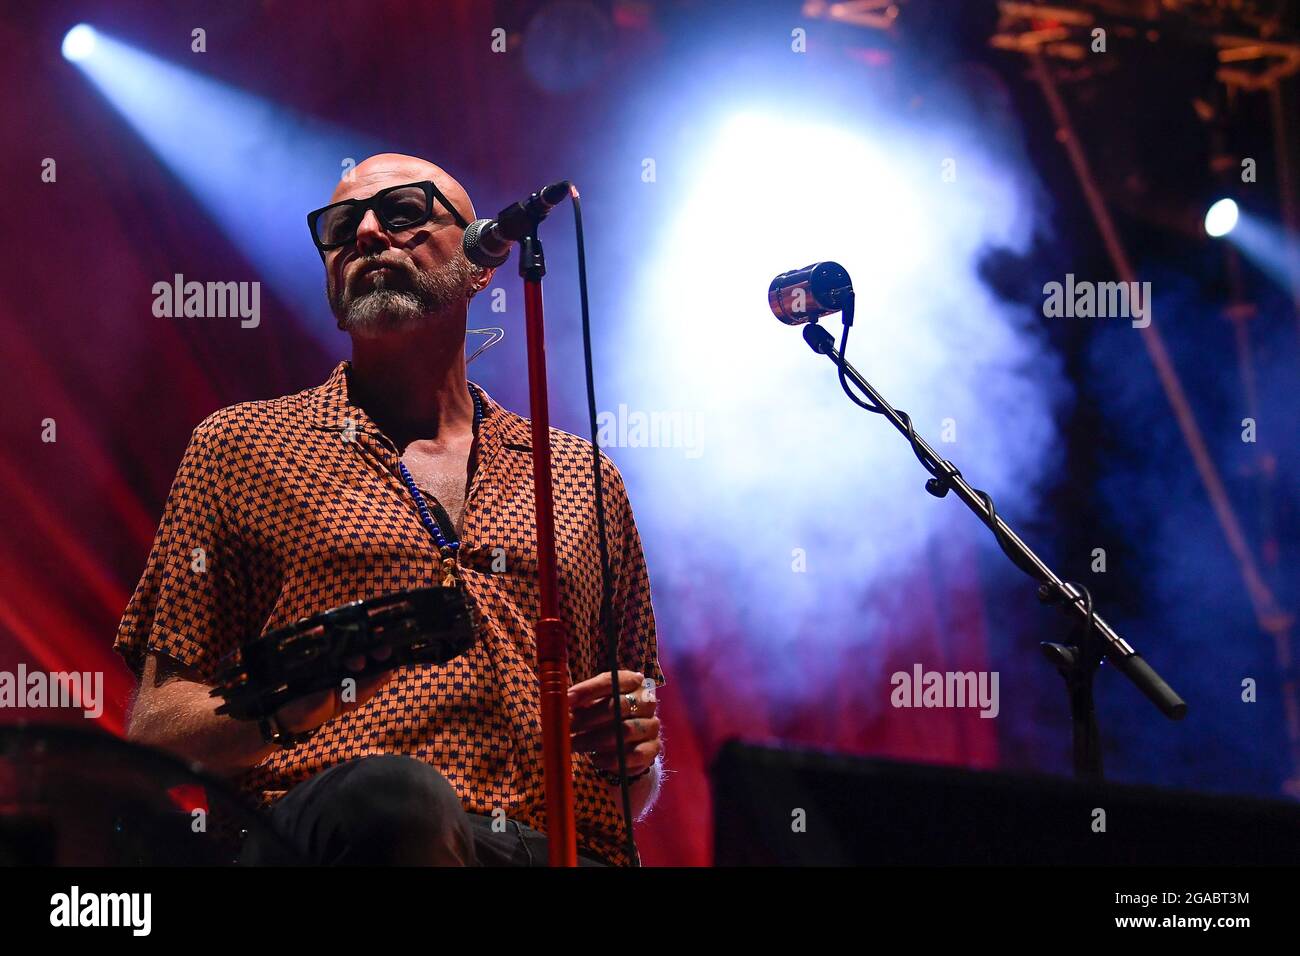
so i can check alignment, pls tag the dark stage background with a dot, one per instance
(1063, 420)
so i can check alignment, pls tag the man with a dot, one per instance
(286, 508)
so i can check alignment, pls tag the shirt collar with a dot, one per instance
(330, 408)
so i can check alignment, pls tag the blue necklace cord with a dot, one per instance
(446, 549)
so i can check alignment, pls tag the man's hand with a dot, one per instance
(595, 711)
(310, 712)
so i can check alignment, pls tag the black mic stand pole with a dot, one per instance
(1076, 662)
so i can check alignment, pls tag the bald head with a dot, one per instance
(384, 282)
(392, 169)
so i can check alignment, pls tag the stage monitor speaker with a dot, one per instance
(787, 807)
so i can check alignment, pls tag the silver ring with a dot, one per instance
(631, 703)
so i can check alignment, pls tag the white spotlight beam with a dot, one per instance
(256, 167)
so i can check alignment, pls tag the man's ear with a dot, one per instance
(482, 279)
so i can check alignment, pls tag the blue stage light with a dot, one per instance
(734, 409)
(1221, 219)
(255, 166)
(79, 42)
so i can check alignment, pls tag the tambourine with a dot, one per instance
(423, 626)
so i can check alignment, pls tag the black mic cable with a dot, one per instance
(607, 587)
(943, 472)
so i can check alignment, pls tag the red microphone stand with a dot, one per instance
(552, 644)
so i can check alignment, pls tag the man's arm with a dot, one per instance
(174, 711)
(192, 607)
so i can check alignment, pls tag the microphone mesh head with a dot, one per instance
(807, 294)
(474, 251)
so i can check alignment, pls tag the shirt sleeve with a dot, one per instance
(633, 612)
(190, 604)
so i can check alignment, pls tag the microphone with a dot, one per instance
(807, 294)
(487, 242)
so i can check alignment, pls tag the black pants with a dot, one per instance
(392, 811)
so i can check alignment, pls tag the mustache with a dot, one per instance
(370, 263)
(430, 291)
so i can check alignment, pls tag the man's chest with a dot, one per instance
(345, 503)
(441, 473)
(325, 521)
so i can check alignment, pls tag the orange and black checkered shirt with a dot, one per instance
(298, 506)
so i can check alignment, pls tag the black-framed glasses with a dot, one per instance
(396, 207)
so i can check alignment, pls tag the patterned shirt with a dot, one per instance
(298, 506)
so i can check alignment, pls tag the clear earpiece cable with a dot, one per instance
(494, 336)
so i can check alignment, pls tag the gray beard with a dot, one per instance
(380, 310)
